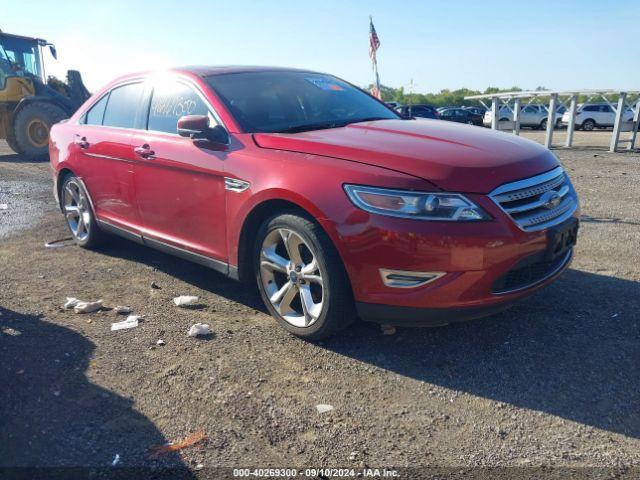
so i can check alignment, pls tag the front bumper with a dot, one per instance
(475, 257)
(434, 317)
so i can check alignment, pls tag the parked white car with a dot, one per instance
(534, 116)
(596, 115)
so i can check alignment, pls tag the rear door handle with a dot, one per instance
(81, 142)
(145, 152)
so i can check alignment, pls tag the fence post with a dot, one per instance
(636, 126)
(617, 126)
(551, 120)
(494, 112)
(516, 116)
(572, 120)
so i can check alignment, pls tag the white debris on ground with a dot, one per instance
(4, 206)
(116, 460)
(198, 329)
(87, 307)
(122, 310)
(130, 322)
(160, 342)
(70, 303)
(62, 242)
(324, 408)
(185, 300)
(388, 329)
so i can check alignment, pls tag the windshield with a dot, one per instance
(19, 56)
(290, 102)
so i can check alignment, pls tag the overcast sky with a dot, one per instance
(558, 44)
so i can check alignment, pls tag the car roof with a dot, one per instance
(208, 70)
(203, 71)
(420, 105)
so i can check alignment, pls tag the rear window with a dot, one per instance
(122, 106)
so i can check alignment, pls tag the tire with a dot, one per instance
(11, 141)
(588, 125)
(543, 124)
(31, 128)
(76, 207)
(325, 285)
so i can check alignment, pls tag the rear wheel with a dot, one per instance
(301, 277)
(78, 213)
(543, 124)
(588, 125)
(31, 129)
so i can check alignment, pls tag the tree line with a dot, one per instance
(448, 97)
(441, 99)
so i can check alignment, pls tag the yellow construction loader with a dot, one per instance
(30, 103)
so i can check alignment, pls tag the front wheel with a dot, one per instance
(588, 125)
(543, 124)
(301, 277)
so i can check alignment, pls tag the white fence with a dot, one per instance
(513, 101)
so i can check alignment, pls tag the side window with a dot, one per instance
(123, 106)
(169, 102)
(95, 113)
(591, 108)
(606, 109)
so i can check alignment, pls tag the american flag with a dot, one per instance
(374, 44)
(374, 41)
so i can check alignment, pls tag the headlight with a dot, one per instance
(451, 207)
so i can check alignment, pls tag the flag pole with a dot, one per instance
(374, 61)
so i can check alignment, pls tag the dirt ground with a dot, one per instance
(552, 382)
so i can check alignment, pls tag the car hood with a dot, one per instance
(454, 157)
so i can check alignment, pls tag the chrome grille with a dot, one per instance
(538, 202)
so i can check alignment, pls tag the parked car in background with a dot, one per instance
(422, 111)
(533, 116)
(477, 110)
(596, 115)
(326, 200)
(461, 115)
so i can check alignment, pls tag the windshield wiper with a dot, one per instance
(311, 126)
(326, 125)
(368, 119)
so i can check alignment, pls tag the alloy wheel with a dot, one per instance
(76, 210)
(291, 277)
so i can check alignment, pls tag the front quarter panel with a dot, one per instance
(312, 182)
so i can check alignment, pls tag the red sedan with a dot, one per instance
(334, 205)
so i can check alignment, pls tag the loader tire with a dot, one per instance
(31, 129)
(11, 141)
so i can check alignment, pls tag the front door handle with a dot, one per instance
(81, 142)
(145, 152)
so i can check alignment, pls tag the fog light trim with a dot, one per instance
(407, 279)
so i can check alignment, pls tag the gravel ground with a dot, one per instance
(552, 382)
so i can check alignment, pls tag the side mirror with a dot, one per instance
(197, 127)
(54, 52)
